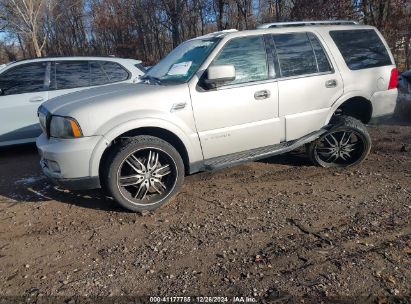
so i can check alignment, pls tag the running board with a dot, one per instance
(259, 153)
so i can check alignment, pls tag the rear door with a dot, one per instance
(23, 89)
(308, 83)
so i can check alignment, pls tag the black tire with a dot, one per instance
(123, 177)
(323, 153)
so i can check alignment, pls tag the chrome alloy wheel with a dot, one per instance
(147, 176)
(340, 148)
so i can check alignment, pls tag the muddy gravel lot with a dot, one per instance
(277, 230)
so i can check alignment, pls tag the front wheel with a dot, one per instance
(346, 144)
(143, 173)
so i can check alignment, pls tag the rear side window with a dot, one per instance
(361, 49)
(77, 74)
(140, 67)
(72, 74)
(27, 78)
(320, 56)
(300, 54)
(114, 71)
(98, 75)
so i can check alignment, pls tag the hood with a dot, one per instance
(65, 104)
(94, 108)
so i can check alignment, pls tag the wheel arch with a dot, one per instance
(154, 127)
(355, 105)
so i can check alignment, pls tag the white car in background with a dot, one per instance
(25, 84)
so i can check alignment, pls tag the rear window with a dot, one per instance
(361, 49)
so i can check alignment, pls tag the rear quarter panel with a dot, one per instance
(370, 83)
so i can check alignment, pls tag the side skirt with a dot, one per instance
(230, 160)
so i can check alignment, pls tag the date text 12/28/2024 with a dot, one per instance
(235, 299)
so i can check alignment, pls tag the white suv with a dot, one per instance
(219, 100)
(27, 83)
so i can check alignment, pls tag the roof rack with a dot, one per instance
(306, 23)
(216, 34)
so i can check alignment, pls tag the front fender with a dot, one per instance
(188, 138)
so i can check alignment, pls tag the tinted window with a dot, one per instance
(26, 78)
(321, 57)
(114, 71)
(72, 74)
(361, 49)
(98, 76)
(248, 56)
(295, 54)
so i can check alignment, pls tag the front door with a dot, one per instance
(242, 114)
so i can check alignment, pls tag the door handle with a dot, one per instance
(37, 99)
(260, 95)
(331, 83)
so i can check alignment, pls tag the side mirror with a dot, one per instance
(217, 74)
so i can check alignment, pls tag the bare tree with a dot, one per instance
(27, 17)
(149, 29)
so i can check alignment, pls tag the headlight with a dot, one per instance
(43, 121)
(42, 113)
(64, 127)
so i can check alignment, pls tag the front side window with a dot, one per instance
(361, 49)
(72, 74)
(248, 55)
(27, 78)
(295, 54)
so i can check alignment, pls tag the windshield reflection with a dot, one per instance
(181, 63)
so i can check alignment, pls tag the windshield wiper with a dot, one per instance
(151, 79)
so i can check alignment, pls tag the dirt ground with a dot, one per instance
(279, 229)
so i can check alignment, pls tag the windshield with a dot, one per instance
(182, 62)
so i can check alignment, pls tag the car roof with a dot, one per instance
(307, 23)
(284, 27)
(76, 58)
(307, 28)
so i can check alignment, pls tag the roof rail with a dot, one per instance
(306, 23)
(65, 56)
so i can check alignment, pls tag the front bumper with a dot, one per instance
(67, 161)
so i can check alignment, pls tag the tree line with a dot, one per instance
(149, 29)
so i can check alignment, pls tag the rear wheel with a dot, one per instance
(346, 144)
(143, 173)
